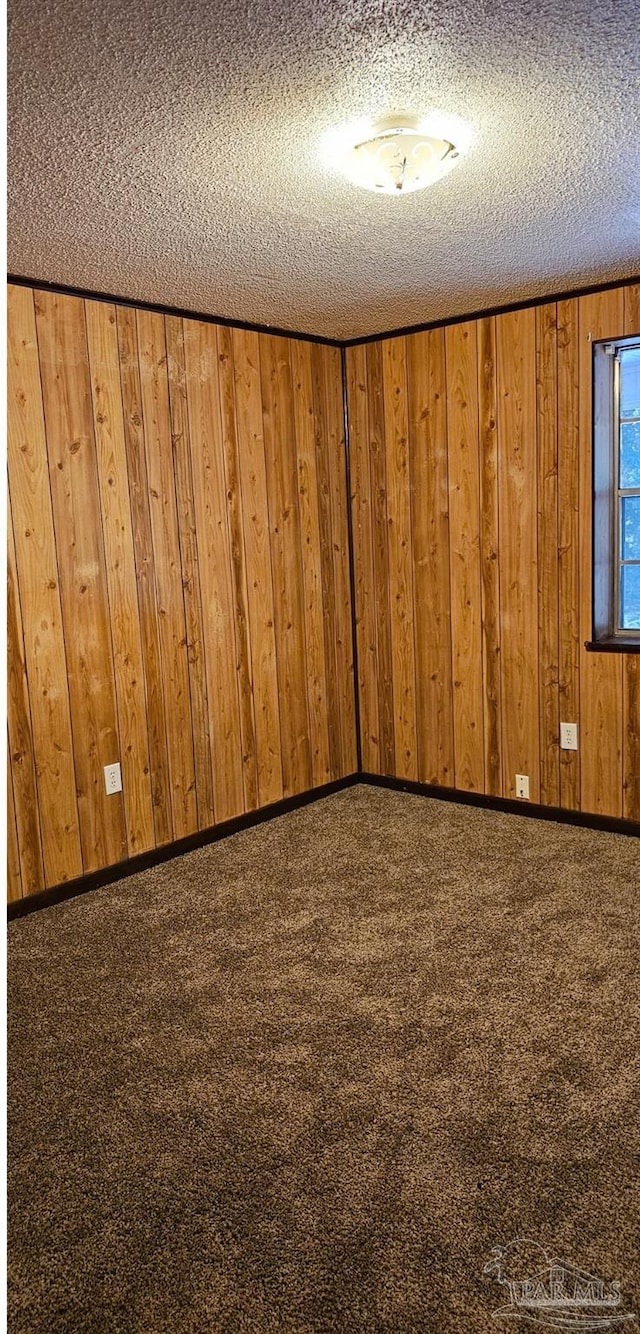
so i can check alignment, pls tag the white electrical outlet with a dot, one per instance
(112, 779)
(522, 786)
(568, 736)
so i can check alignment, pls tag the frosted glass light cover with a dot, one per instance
(399, 155)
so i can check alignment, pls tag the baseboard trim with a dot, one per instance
(71, 889)
(610, 824)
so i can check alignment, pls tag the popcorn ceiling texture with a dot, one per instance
(169, 152)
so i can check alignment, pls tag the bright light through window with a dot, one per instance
(628, 500)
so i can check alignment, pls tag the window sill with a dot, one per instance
(613, 644)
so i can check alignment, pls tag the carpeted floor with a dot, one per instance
(305, 1079)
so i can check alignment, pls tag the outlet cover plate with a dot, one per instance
(112, 779)
(568, 736)
(522, 786)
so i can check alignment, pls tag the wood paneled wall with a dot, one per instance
(471, 496)
(178, 586)
(178, 579)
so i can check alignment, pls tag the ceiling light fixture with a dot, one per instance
(399, 153)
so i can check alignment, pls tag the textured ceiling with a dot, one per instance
(168, 151)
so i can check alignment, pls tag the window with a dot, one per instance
(627, 397)
(616, 511)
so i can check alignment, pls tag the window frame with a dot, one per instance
(607, 495)
(620, 492)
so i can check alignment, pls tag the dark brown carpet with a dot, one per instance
(306, 1078)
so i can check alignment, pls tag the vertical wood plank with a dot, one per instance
(379, 573)
(14, 877)
(207, 458)
(37, 573)
(66, 387)
(631, 663)
(325, 555)
(490, 556)
(426, 373)
(231, 452)
(599, 316)
(22, 775)
(253, 485)
(300, 357)
(284, 523)
(465, 573)
(361, 511)
(631, 737)
(154, 388)
(181, 448)
(515, 341)
(335, 445)
(145, 572)
(568, 544)
(548, 598)
(102, 340)
(401, 597)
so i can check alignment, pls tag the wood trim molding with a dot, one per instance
(612, 645)
(40, 284)
(134, 865)
(490, 311)
(71, 889)
(609, 824)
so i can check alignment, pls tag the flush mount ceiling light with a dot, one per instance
(398, 153)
